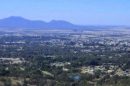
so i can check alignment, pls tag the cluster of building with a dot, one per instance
(11, 60)
(111, 70)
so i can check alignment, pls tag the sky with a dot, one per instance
(82, 12)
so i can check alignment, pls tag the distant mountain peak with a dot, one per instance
(15, 17)
(59, 21)
(20, 22)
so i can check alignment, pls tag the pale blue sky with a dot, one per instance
(86, 12)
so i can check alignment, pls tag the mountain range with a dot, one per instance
(19, 22)
(16, 22)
